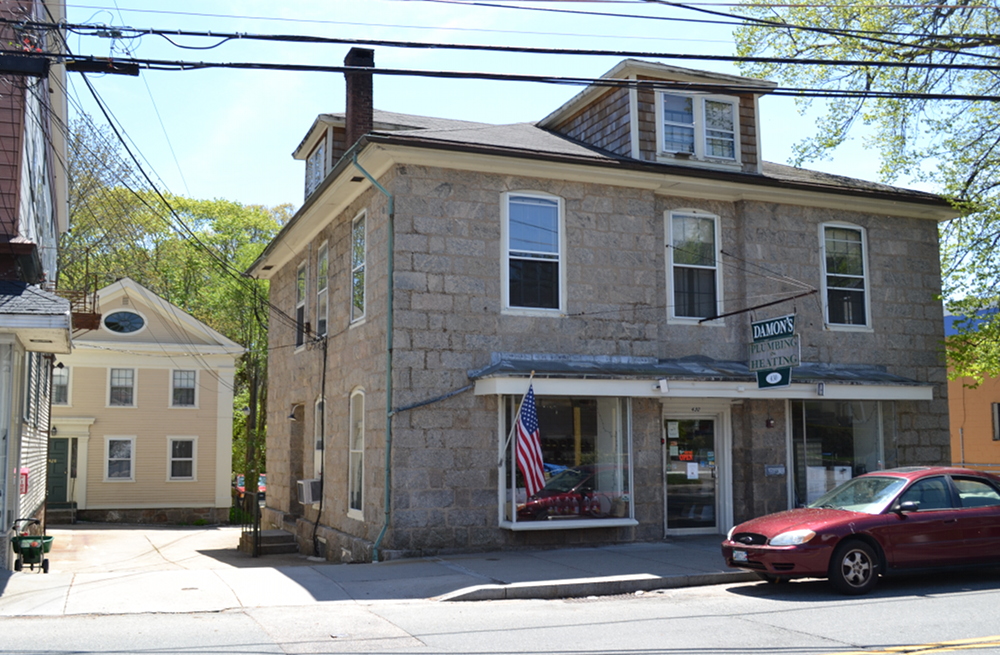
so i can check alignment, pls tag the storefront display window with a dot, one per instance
(833, 441)
(585, 452)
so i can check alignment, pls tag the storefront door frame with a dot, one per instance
(719, 410)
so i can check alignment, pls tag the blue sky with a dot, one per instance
(230, 133)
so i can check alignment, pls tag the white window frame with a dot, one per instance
(69, 386)
(170, 459)
(107, 457)
(995, 407)
(359, 266)
(173, 382)
(316, 167)
(128, 309)
(135, 386)
(356, 456)
(672, 316)
(866, 277)
(322, 289)
(319, 428)
(559, 259)
(507, 416)
(301, 291)
(700, 129)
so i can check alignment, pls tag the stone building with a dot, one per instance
(613, 257)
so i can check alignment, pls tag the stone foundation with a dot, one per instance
(159, 516)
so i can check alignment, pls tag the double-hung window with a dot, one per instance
(119, 454)
(122, 387)
(995, 408)
(315, 166)
(319, 427)
(300, 305)
(60, 386)
(703, 127)
(183, 385)
(693, 255)
(356, 438)
(844, 277)
(533, 239)
(358, 255)
(182, 458)
(322, 303)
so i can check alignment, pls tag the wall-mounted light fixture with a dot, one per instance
(769, 422)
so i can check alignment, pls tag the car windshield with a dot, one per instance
(868, 494)
(566, 480)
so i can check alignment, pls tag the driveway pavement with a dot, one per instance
(113, 569)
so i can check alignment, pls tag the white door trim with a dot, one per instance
(719, 409)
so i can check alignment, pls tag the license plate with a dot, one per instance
(739, 555)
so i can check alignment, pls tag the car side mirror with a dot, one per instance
(905, 507)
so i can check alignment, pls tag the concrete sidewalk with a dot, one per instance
(105, 569)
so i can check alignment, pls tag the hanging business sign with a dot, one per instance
(775, 349)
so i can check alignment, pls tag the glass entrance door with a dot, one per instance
(692, 474)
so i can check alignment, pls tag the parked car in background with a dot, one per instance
(240, 487)
(572, 492)
(886, 522)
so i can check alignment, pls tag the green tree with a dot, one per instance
(952, 144)
(190, 252)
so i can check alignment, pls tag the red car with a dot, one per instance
(261, 486)
(570, 493)
(894, 521)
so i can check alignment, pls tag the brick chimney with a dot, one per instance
(359, 94)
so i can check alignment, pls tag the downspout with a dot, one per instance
(388, 355)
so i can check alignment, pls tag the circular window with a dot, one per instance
(124, 322)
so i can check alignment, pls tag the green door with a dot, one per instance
(58, 477)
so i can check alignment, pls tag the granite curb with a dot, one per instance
(603, 586)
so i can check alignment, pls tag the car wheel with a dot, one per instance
(854, 568)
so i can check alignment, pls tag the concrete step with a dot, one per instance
(272, 542)
(60, 516)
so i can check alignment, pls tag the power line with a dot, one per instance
(103, 31)
(736, 19)
(176, 65)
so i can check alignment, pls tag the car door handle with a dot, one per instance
(951, 520)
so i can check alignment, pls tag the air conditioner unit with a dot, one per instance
(309, 491)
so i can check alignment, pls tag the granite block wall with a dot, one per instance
(448, 319)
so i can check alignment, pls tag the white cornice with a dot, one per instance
(699, 389)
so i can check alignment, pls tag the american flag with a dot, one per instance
(529, 448)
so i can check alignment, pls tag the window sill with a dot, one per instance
(719, 164)
(696, 322)
(533, 311)
(567, 524)
(837, 327)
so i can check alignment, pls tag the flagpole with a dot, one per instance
(506, 445)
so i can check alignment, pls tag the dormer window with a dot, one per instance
(697, 127)
(314, 168)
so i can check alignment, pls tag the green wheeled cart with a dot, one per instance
(30, 549)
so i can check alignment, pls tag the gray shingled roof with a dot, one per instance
(23, 298)
(517, 136)
(532, 140)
